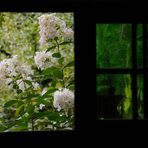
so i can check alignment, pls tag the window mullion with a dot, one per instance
(134, 71)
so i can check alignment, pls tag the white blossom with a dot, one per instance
(51, 27)
(44, 91)
(44, 60)
(13, 67)
(68, 33)
(8, 81)
(63, 99)
(22, 85)
(25, 70)
(41, 106)
(35, 85)
(26, 114)
(48, 27)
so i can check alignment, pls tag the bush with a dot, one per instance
(36, 71)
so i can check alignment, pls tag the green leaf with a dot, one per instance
(63, 43)
(57, 55)
(51, 115)
(20, 103)
(53, 72)
(20, 128)
(41, 101)
(71, 83)
(49, 91)
(29, 97)
(19, 109)
(48, 49)
(69, 64)
(41, 114)
(53, 83)
(10, 103)
(28, 82)
(30, 109)
(19, 91)
(61, 60)
(2, 128)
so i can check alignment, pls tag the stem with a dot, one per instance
(63, 77)
(32, 122)
(62, 43)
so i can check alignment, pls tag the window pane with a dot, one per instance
(139, 46)
(140, 96)
(114, 96)
(113, 43)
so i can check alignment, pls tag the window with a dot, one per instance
(121, 70)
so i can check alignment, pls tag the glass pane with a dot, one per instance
(139, 46)
(113, 43)
(114, 96)
(140, 96)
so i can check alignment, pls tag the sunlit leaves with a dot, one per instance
(19, 110)
(69, 64)
(53, 72)
(49, 92)
(31, 108)
(10, 103)
(57, 55)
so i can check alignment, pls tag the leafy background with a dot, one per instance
(113, 44)
(19, 34)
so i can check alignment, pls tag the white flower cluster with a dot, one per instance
(23, 85)
(11, 68)
(51, 27)
(8, 67)
(68, 33)
(63, 99)
(44, 60)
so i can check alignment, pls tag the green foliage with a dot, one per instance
(69, 64)
(140, 96)
(10, 103)
(120, 86)
(32, 109)
(113, 43)
(139, 46)
(53, 73)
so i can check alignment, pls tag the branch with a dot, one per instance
(63, 43)
(4, 52)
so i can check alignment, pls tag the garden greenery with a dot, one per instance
(36, 71)
(114, 50)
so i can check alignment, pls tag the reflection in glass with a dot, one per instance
(113, 44)
(114, 96)
(139, 42)
(140, 96)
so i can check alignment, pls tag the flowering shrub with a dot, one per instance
(64, 99)
(37, 90)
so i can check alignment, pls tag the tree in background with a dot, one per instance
(113, 43)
